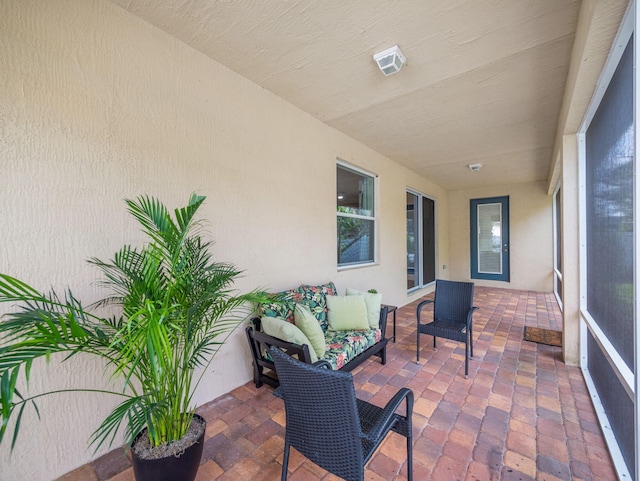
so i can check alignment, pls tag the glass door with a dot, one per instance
(413, 241)
(490, 238)
(421, 240)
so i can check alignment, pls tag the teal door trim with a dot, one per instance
(500, 241)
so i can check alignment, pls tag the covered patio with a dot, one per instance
(522, 415)
(266, 108)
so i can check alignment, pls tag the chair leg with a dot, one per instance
(471, 338)
(409, 458)
(418, 346)
(409, 415)
(285, 461)
(466, 360)
(434, 342)
(257, 374)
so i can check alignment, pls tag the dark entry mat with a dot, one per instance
(543, 336)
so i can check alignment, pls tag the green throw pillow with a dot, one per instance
(277, 327)
(373, 303)
(347, 313)
(310, 326)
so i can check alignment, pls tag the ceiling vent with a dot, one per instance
(475, 167)
(390, 60)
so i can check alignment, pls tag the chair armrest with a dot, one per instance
(470, 314)
(324, 364)
(266, 341)
(382, 322)
(386, 419)
(420, 306)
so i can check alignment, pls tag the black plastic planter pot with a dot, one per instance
(172, 468)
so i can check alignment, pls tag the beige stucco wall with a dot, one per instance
(97, 106)
(531, 235)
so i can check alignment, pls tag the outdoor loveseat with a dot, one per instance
(347, 340)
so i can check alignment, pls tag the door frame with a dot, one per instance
(505, 247)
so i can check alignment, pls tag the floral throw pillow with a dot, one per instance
(282, 306)
(315, 298)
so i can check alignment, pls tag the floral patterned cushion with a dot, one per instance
(342, 346)
(282, 306)
(315, 297)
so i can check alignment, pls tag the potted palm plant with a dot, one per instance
(175, 307)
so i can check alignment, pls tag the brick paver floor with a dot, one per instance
(522, 414)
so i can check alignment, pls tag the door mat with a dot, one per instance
(543, 336)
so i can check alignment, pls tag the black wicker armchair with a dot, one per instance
(329, 425)
(452, 316)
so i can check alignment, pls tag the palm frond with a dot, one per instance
(153, 217)
(8, 379)
(137, 412)
(12, 289)
(185, 215)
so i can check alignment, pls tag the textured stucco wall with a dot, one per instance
(97, 106)
(531, 235)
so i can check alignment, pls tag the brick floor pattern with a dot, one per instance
(522, 414)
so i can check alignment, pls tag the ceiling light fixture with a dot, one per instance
(475, 167)
(390, 60)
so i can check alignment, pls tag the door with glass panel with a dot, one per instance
(490, 238)
(421, 240)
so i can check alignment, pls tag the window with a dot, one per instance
(356, 217)
(421, 240)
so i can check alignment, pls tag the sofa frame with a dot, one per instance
(264, 371)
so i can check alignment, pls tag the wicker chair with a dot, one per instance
(329, 425)
(452, 316)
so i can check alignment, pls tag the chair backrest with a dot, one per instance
(321, 414)
(453, 300)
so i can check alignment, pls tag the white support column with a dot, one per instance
(570, 252)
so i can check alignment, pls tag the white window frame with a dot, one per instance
(374, 218)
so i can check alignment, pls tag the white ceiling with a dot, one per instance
(483, 82)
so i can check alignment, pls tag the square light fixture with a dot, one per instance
(390, 60)
(475, 167)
